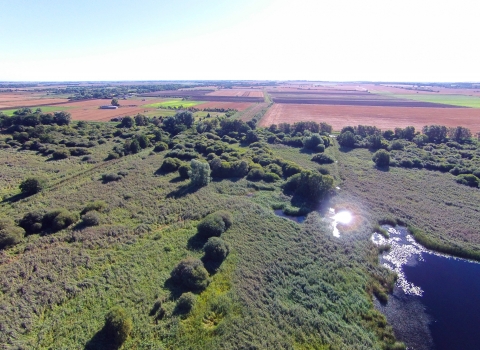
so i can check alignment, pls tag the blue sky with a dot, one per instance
(406, 40)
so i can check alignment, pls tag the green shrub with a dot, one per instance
(92, 218)
(183, 171)
(99, 205)
(211, 225)
(170, 164)
(271, 177)
(185, 303)
(31, 185)
(57, 220)
(468, 179)
(61, 154)
(256, 174)
(215, 249)
(322, 158)
(381, 158)
(31, 222)
(191, 274)
(111, 177)
(10, 234)
(160, 147)
(118, 325)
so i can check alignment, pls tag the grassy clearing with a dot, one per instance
(441, 210)
(283, 286)
(177, 103)
(455, 100)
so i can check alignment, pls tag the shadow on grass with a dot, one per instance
(211, 266)
(177, 179)
(16, 198)
(346, 149)
(196, 242)
(102, 340)
(385, 168)
(182, 191)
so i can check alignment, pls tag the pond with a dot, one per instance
(297, 219)
(436, 300)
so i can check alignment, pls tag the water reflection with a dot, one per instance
(343, 217)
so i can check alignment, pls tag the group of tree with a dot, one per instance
(28, 118)
(372, 137)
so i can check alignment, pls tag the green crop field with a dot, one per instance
(178, 103)
(455, 100)
(45, 109)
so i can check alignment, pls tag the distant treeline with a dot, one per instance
(108, 92)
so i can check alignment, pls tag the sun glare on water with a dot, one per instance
(343, 217)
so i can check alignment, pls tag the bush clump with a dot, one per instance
(31, 185)
(170, 164)
(10, 234)
(92, 218)
(61, 154)
(118, 325)
(468, 179)
(57, 220)
(215, 249)
(381, 158)
(185, 303)
(183, 170)
(214, 224)
(96, 205)
(191, 274)
(160, 147)
(31, 222)
(322, 158)
(111, 177)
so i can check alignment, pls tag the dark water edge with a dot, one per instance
(297, 219)
(452, 299)
(442, 310)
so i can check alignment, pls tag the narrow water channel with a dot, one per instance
(436, 301)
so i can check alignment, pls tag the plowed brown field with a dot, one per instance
(89, 111)
(237, 93)
(25, 99)
(239, 106)
(382, 117)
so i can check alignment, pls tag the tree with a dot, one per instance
(435, 133)
(215, 249)
(62, 118)
(459, 133)
(127, 122)
(31, 185)
(381, 158)
(200, 173)
(115, 102)
(346, 139)
(141, 120)
(118, 325)
(190, 274)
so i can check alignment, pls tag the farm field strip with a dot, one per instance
(45, 109)
(237, 93)
(173, 104)
(450, 99)
(382, 117)
(239, 106)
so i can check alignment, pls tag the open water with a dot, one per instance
(436, 301)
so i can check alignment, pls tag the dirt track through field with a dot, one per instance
(382, 117)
